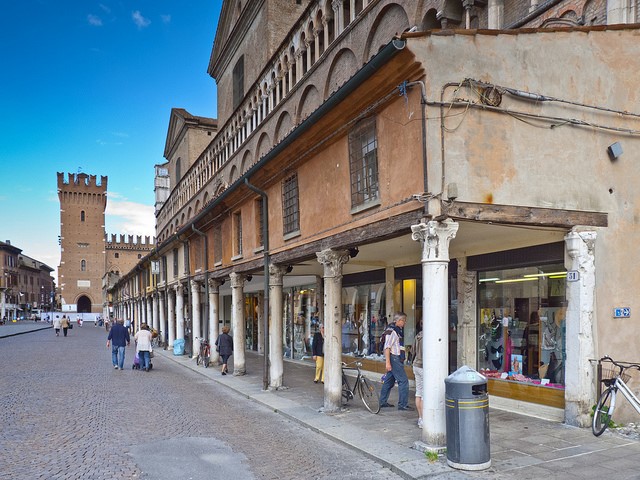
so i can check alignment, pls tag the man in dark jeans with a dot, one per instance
(395, 365)
(119, 338)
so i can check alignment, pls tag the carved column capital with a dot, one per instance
(214, 285)
(195, 287)
(276, 274)
(336, 5)
(333, 260)
(435, 237)
(237, 280)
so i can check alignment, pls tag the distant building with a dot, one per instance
(26, 284)
(86, 253)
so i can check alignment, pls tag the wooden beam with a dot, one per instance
(519, 215)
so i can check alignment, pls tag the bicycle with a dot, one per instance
(615, 380)
(204, 356)
(156, 341)
(367, 390)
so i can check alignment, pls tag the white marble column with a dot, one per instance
(179, 311)
(579, 393)
(435, 238)
(332, 261)
(495, 16)
(171, 314)
(238, 322)
(276, 319)
(196, 330)
(338, 15)
(214, 316)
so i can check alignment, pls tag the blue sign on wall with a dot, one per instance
(622, 312)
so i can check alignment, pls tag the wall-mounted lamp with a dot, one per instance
(614, 150)
(249, 278)
(353, 252)
(289, 268)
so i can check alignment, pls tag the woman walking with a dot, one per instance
(143, 346)
(224, 346)
(64, 323)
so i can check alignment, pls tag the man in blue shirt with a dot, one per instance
(119, 338)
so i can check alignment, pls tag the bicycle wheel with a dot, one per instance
(206, 358)
(603, 412)
(346, 389)
(369, 395)
(199, 359)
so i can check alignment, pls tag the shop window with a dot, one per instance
(363, 163)
(363, 318)
(521, 331)
(290, 205)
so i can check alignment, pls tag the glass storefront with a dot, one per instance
(301, 320)
(363, 318)
(521, 324)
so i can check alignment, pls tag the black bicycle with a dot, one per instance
(363, 386)
(204, 356)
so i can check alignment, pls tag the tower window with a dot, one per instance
(82, 216)
(83, 266)
(117, 255)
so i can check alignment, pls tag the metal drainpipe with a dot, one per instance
(205, 247)
(423, 103)
(265, 241)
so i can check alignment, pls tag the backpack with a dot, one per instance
(383, 339)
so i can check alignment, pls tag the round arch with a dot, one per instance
(83, 304)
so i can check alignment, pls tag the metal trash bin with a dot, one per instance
(467, 417)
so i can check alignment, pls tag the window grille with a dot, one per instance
(363, 163)
(290, 205)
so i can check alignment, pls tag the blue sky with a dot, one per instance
(89, 86)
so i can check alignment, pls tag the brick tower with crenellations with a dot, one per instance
(85, 254)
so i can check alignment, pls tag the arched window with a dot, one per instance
(117, 255)
(82, 216)
(83, 266)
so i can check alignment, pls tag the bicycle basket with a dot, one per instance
(609, 374)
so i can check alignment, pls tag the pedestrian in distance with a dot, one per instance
(317, 349)
(57, 324)
(64, 323)
(143, 346)
(418, 372)
(394, 365)
(119, 339)
(224, 346)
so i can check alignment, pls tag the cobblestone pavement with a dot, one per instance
(67, 414)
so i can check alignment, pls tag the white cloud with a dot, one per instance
(139, 20)
(130, 218)
(105, 8)
(166, 18)
(94, 20)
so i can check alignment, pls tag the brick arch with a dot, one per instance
(234, 174)
(309, 101)
(83, 303)
(343, 66)
(262, 146)
(283, 127)
(391, 20)
(246, 161)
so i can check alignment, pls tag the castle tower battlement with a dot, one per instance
(81, 182)
(129, 242)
